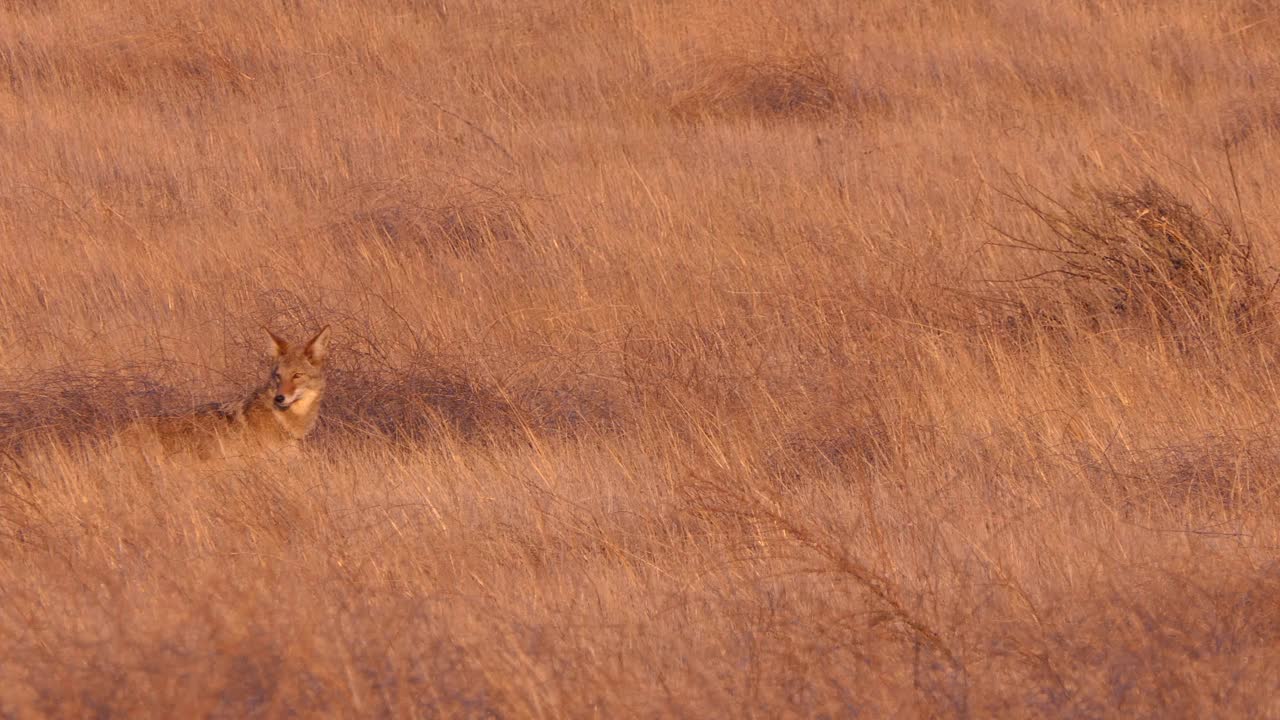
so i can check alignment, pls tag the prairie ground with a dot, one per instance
(689, 359)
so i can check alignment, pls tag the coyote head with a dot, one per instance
(297, 377)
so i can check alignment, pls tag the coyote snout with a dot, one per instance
(279, 414)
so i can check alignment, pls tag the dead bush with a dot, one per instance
(1140, 254)
(74, 404)
(787, 85)
(413, 402)
(567, 409)
(188, 62)
(423, 399)
(1205, 477)
(434, 219)
(852, 434)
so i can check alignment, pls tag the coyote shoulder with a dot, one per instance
(276, 416)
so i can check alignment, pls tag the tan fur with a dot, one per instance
(245, 427)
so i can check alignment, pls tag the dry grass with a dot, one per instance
(682, 364)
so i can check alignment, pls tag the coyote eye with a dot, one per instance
(297, 376)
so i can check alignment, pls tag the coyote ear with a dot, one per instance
(278, 346)
(319, 346)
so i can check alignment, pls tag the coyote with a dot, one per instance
(274, 417)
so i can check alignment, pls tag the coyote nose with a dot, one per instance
(280, 399)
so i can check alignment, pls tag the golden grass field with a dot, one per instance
(689, 359)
